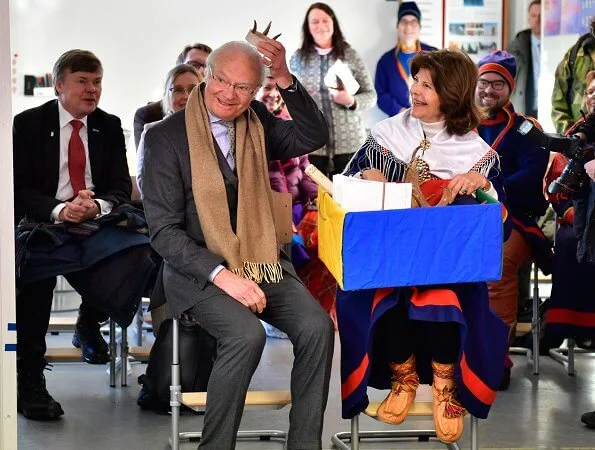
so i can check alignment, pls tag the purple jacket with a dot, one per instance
(289, 176)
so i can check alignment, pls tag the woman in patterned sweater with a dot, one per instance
(323, 44)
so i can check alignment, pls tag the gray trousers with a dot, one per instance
(240, 342)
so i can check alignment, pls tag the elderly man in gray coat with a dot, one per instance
(209, 207)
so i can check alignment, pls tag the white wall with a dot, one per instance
(517, 17)
(139, 40)
(553, 50)
(8, 389)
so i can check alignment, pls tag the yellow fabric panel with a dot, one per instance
(330, 234)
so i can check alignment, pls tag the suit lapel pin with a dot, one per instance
(95, 130)
(51, 134)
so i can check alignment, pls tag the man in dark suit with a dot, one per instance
(209, 207)
(195, 55)
(69, 166)
(526, 48)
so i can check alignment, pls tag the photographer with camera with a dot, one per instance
(584, 227)
(570, 186)
(523, 166)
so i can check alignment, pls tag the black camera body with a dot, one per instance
(574, 177)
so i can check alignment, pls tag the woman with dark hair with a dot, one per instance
(323, 45)
(441, 335)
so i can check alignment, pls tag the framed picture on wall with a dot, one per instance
(474, 26)
(568, 16)
(432, 15)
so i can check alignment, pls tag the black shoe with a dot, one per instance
(33, 399)
(88, 338)
(589, 419)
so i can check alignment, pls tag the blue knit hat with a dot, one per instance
(409, 8)
(502, 63)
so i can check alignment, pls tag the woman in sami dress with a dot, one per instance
(441, 335)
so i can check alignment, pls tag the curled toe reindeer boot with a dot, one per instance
(404, 383)
(448, 412)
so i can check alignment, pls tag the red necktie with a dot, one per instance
(76, 158)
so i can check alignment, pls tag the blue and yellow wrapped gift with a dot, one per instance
(410, 247)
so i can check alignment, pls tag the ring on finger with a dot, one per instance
(463, 191)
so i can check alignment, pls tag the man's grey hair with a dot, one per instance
(241, 47)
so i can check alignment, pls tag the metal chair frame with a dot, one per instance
(533, 354)
(176, 403)
(355, 436)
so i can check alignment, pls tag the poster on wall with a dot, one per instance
(432, 30)
(474, 26)
(568, 16)
(587, 13)
(570, 20)
(553, 15)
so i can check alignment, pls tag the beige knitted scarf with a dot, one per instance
(252, 251)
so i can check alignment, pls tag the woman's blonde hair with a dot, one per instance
(169, 82)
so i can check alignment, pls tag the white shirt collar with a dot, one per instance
(65, 117)
(213, 118)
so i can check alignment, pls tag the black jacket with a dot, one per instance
(36, 158)
(146, 114)
(584, 224)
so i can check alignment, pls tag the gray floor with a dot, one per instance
(536, 412)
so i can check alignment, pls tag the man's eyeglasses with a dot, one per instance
(196, 64)
(589, 92)
(181, 90)
(497, 85)
(409, 22)
(244, 90)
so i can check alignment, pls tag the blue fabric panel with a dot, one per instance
(422, 246)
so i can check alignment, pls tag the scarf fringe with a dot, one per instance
(259, 272)
(382, 159)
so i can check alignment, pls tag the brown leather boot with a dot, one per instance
(404, 383)
(448, 412)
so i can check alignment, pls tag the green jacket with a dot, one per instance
(563, 115)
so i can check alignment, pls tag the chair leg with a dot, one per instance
(175, 389)
(124, 357)
(474, 433)
(139, 325)
(113, 350)
(536, 321)
(355, 433)
(571, 345)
